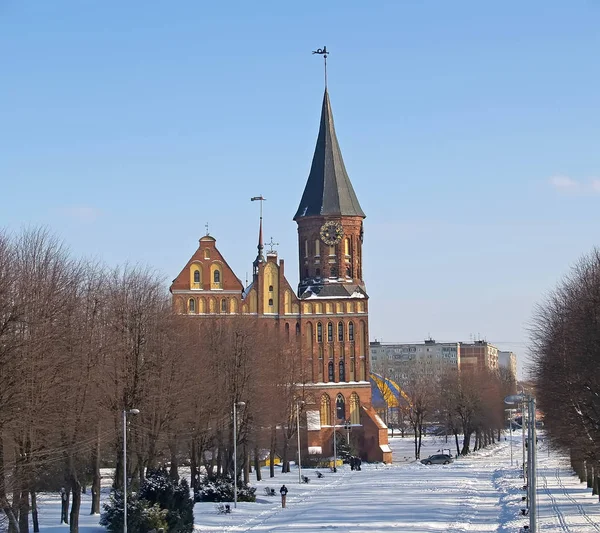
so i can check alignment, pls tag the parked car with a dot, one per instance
(438, 459)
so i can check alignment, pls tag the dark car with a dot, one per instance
(438, 459)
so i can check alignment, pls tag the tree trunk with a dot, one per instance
(34, 512)
(420, 440)
(257, 464)
(64, 508)
(24, 512)
(13, 526)
(193, 466)
(285, 463)
(76, 505)
(174, 470)
(272, 452)
(457, 444)
(466, 444)
(246, 466)
(95, 464)
(589, 476)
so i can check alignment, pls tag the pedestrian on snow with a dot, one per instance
(283, 491)
(358, 463)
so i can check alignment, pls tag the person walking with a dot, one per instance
(283, 491)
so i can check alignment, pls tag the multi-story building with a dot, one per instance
(401, 361)
(508, 360)
(478, 355)
(327, 319)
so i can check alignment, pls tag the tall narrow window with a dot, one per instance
(287, 331)
(354, 409)
(297, 329)
(340, 331)
(351, 331)
(329, 332)
(342, 371)
(305, 248)
(317, 248)
(319, 332)
(223, 305)
(196, 276)
(217, 276)
(340, 407)
(192, 305)
(330, 375)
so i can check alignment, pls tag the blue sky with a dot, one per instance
(469, 131)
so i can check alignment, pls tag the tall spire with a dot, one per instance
(328, 190)
(260, 258)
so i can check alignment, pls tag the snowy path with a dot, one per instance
(479, 493)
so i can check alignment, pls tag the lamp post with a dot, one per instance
(235, 404)
(510, 421)
(298, 404)
(125, 413)
(531, 454)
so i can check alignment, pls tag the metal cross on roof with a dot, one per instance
(270, 244)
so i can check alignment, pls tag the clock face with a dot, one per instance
(331, 233)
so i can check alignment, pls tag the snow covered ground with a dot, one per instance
(478, 493)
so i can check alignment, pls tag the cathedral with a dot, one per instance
(327, 315)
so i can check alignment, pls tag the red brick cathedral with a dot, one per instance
(330, 310)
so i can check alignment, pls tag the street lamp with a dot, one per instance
(235, 404)
(125, 413)
(531, 453)
(510, 421)
(298, 404)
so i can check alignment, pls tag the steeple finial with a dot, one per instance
(260, 258)
(323, 51)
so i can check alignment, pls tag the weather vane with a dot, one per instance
(271, 250)
(206, 226)
(323, 52)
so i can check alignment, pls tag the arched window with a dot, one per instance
(192, 305)
(319, 332)
(340, 331)
(329, 332)
(196, 276)
(348, 272)
(325, 410)
(297, 329)
(342, 371)
(217, 276)
(223, 305)
(334, 272)
(340, 407)
(330, 374)
(270, 301)
(354, 409)
(351, 331)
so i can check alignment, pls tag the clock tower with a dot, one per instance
(330, 221)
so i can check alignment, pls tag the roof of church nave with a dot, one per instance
(328, 190)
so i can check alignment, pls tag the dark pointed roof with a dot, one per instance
(328, 190)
